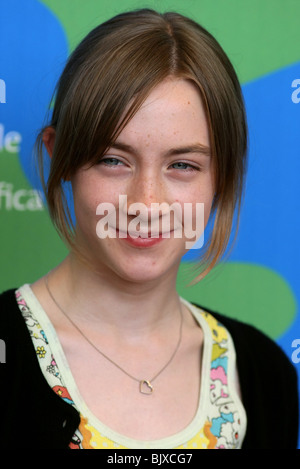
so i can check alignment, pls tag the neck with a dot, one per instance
(114, 303)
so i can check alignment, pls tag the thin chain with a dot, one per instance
(109, 359)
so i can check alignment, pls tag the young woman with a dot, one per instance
(102, 352)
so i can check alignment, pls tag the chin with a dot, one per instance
(148, 272)
(133, 265)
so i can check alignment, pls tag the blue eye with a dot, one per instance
(184, 166)
(110, 161)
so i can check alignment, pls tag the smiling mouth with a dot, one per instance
(143, 240)
(143, 235)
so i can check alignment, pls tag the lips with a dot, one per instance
(142, 240)
(142, 235)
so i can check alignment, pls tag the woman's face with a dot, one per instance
(161, 157)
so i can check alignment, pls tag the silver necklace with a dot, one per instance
(145, 385)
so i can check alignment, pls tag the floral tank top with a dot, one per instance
(220, 421)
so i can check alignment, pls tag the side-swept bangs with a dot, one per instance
(106, 80)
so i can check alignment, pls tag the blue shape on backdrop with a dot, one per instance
(270, 228)
(33, 51)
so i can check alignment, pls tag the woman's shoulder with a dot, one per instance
(7, 296)
(268, 382)
(259, 358)
(246, 337)
(13, 328)
(8, 308)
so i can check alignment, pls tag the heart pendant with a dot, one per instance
(146, 387)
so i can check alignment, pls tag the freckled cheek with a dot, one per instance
(84, 201)
(89, 193)
(85, 205)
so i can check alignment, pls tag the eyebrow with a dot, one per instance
(194, 148)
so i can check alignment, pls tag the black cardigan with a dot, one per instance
(33, 416)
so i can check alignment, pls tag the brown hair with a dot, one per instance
(117, 64)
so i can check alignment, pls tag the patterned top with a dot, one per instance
(220, 421)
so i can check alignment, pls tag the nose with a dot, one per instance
(147, 188)
(146, 197)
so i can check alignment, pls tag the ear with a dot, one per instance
(49, 139)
